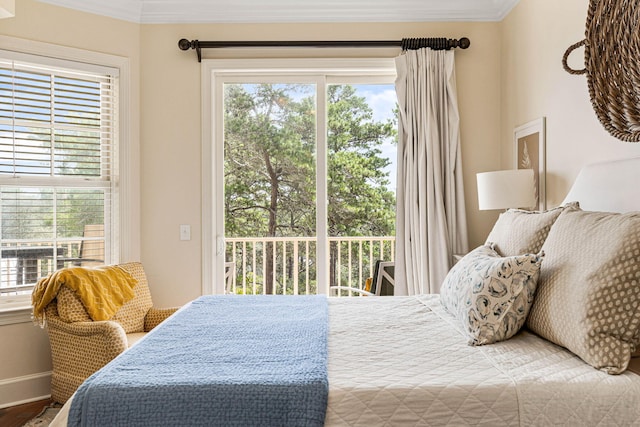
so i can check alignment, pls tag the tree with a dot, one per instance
(359, 198)
(270, 148)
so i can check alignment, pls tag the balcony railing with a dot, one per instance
(262, 265)
(288, 265)
(22, 264)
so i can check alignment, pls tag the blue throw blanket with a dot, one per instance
(224, 360)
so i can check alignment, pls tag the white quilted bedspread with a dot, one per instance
(402, 362)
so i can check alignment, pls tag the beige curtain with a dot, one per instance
(430, 222)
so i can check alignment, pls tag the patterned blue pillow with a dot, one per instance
(491, 295)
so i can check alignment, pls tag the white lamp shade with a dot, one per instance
(506, 189)
(7, 8)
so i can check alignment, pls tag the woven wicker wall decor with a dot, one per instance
(612, 65)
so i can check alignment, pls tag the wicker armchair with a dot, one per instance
(81, 346)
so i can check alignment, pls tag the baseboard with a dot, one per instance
(25, 389)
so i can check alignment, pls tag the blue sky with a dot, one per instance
(382, 99)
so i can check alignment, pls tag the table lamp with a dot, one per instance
(506, 189)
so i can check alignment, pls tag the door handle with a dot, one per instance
(220, 245)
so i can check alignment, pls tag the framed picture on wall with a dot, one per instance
(529, 153)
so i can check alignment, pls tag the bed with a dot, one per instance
(405, 360)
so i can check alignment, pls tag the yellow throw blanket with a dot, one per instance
(102, 290)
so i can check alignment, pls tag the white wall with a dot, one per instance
(535, 36)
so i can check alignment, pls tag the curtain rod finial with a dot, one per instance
(185, 44)
(464, 43)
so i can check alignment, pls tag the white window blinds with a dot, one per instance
(58, 164)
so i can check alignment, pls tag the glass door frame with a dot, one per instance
(304, 70)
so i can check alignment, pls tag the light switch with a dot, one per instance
(185, 232)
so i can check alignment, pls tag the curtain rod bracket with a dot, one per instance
(437, 43)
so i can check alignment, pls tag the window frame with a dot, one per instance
(17, 309)
(214, 72)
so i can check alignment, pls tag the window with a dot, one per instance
(58, 168)
(302, 175)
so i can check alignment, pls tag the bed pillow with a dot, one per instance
(520, 232)
(588, 298)
(491, 295)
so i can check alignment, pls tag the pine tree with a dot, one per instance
(269, 165)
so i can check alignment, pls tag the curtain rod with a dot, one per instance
(436, 43)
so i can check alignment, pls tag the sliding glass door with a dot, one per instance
(306, 181)
(270, 198)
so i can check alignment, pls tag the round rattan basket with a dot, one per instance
(612, 65)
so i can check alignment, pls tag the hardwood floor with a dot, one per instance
(16, 416)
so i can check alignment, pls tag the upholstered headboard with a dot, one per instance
(612, 186)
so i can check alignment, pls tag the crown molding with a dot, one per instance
(290, 11)
(125, 10)
(507, 6)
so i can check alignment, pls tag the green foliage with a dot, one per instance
(270, 148)
(269, 161)
(360, 203)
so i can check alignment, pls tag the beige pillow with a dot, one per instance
(520, 232)
(491, 295)
(588, 297)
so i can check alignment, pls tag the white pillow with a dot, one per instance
(520, 232)
(491, 295)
